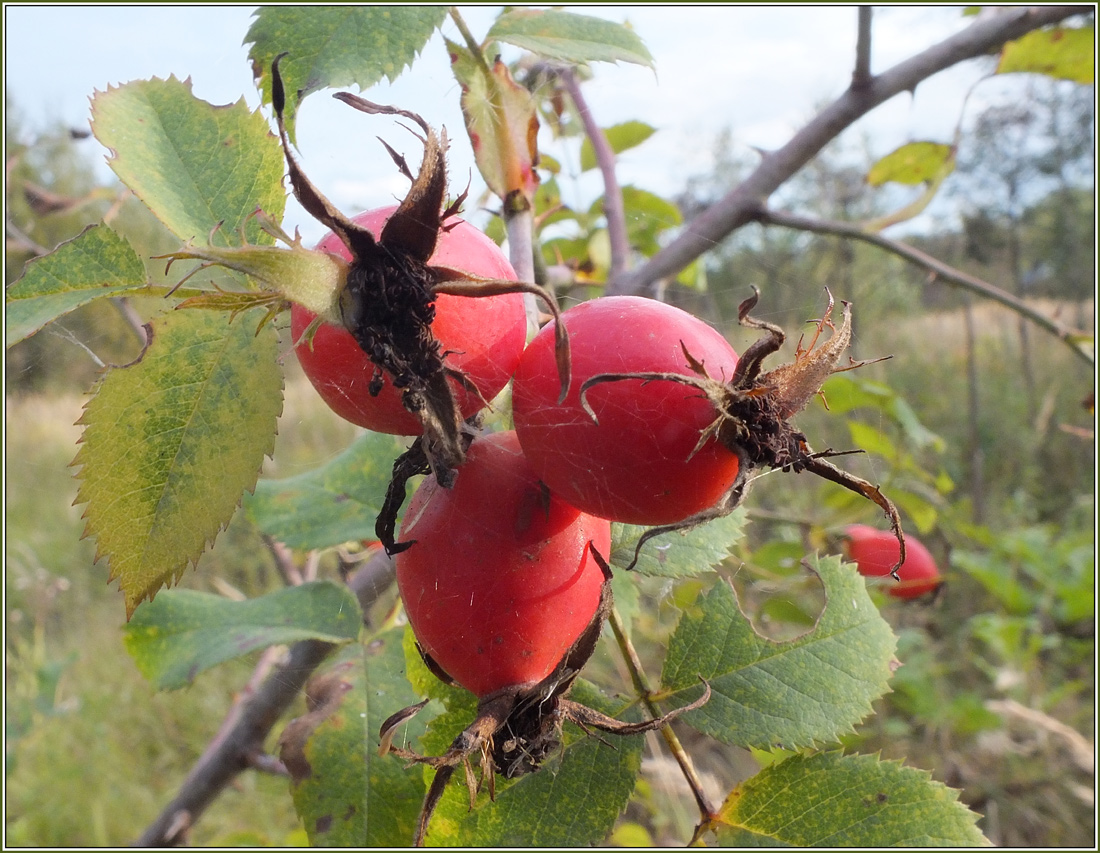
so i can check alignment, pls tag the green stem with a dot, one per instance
(471, 43)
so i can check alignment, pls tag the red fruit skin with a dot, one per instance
(481, 337)
(876, 551)
(633, 466)
(501, 580)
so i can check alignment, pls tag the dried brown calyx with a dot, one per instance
(388, 300)
(518, 727)
(755, 408)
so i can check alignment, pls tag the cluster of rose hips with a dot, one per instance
(503, 574)
(408, 321)
(503, 568)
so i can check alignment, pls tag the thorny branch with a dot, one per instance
(1071, 337)
(239, 743)
(737, 207)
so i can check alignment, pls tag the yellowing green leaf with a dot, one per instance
(184, 632)
(171, 442)
(335, 46)
(621, 137)
(502, 123)
(809, 690)
(570, 37)
(94, 264)
(193, 164)
(913, 163)
(927, 163)
(1062, 52)
(858, 801)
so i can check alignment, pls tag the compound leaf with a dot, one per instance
(193, 164)
(94, 264)
(833, 800)
(569, 37)
(344, 792)
(335, 46)
(677, 554)
(171, 442)
(330, 505)
(796, 694)
(184, 632)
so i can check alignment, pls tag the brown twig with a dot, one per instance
(605, 158)
(737, 207)
(641, 684)
(1068, 336)
(284, 561)
(239, 742)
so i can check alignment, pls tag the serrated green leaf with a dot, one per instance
(621, 137)
(183, 632)
(680, 554)
(171, 443)
(344, 792)
(913, 163)
(330, 505)
(810, 690)
(568, 37)
(833, 800)
(94, 264)
(336, 46)
(193, 164)
(572, 801)
(451, 708)
(1062, 52)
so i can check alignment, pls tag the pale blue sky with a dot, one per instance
(761, 70)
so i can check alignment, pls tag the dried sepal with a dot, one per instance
(387, 301)
(390, 725)
(458, 283)
(588, 718)
(517, 728)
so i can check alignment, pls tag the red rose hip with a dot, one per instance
(875, 552)
(639, 462)
(481, 337)
(501, 580)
